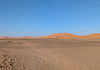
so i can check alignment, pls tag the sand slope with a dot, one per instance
(50, 54)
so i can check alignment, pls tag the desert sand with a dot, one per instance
(50, 54)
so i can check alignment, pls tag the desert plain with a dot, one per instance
(50, 54)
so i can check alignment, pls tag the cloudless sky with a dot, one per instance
(44, 17)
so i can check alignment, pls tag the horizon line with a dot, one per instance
(49, 34)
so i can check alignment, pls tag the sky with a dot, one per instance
(44, 17)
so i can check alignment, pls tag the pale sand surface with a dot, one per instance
(50, 54)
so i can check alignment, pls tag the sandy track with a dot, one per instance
(50, 54)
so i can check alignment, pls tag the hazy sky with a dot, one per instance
(44, 17)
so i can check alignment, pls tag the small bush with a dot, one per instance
(9, 41)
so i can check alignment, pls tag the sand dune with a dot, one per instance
(58, 35)
(96, 35)
(50, 54)
(62, 35)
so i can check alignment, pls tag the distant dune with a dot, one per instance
(96, 35)
(58, 35)
(62, 35)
